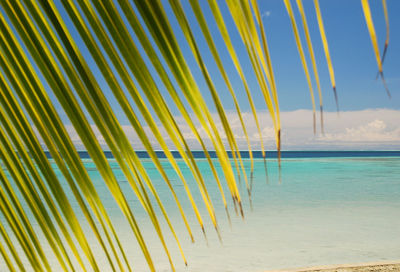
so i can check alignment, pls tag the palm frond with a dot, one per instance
(136, 59)
(289, 8)
(312, 56)
(326, 50)
(374, 39)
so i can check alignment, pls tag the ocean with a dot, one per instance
(322, 207)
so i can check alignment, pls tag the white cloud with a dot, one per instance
(375, 131)
(356, 130)
(266, 14)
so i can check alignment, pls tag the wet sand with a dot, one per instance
(366, 267)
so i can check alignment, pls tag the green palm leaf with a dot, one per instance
(137, 60)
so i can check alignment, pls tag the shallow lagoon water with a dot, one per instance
(318, 211)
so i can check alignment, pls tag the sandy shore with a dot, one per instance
(366, 267)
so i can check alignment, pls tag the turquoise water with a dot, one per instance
(319, 211)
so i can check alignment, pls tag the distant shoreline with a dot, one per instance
(363, 267)
(258, 154)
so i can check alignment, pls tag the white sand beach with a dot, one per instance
(364, 267)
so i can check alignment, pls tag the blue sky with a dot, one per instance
(351, 50)
(353, 61)
(349, 42)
